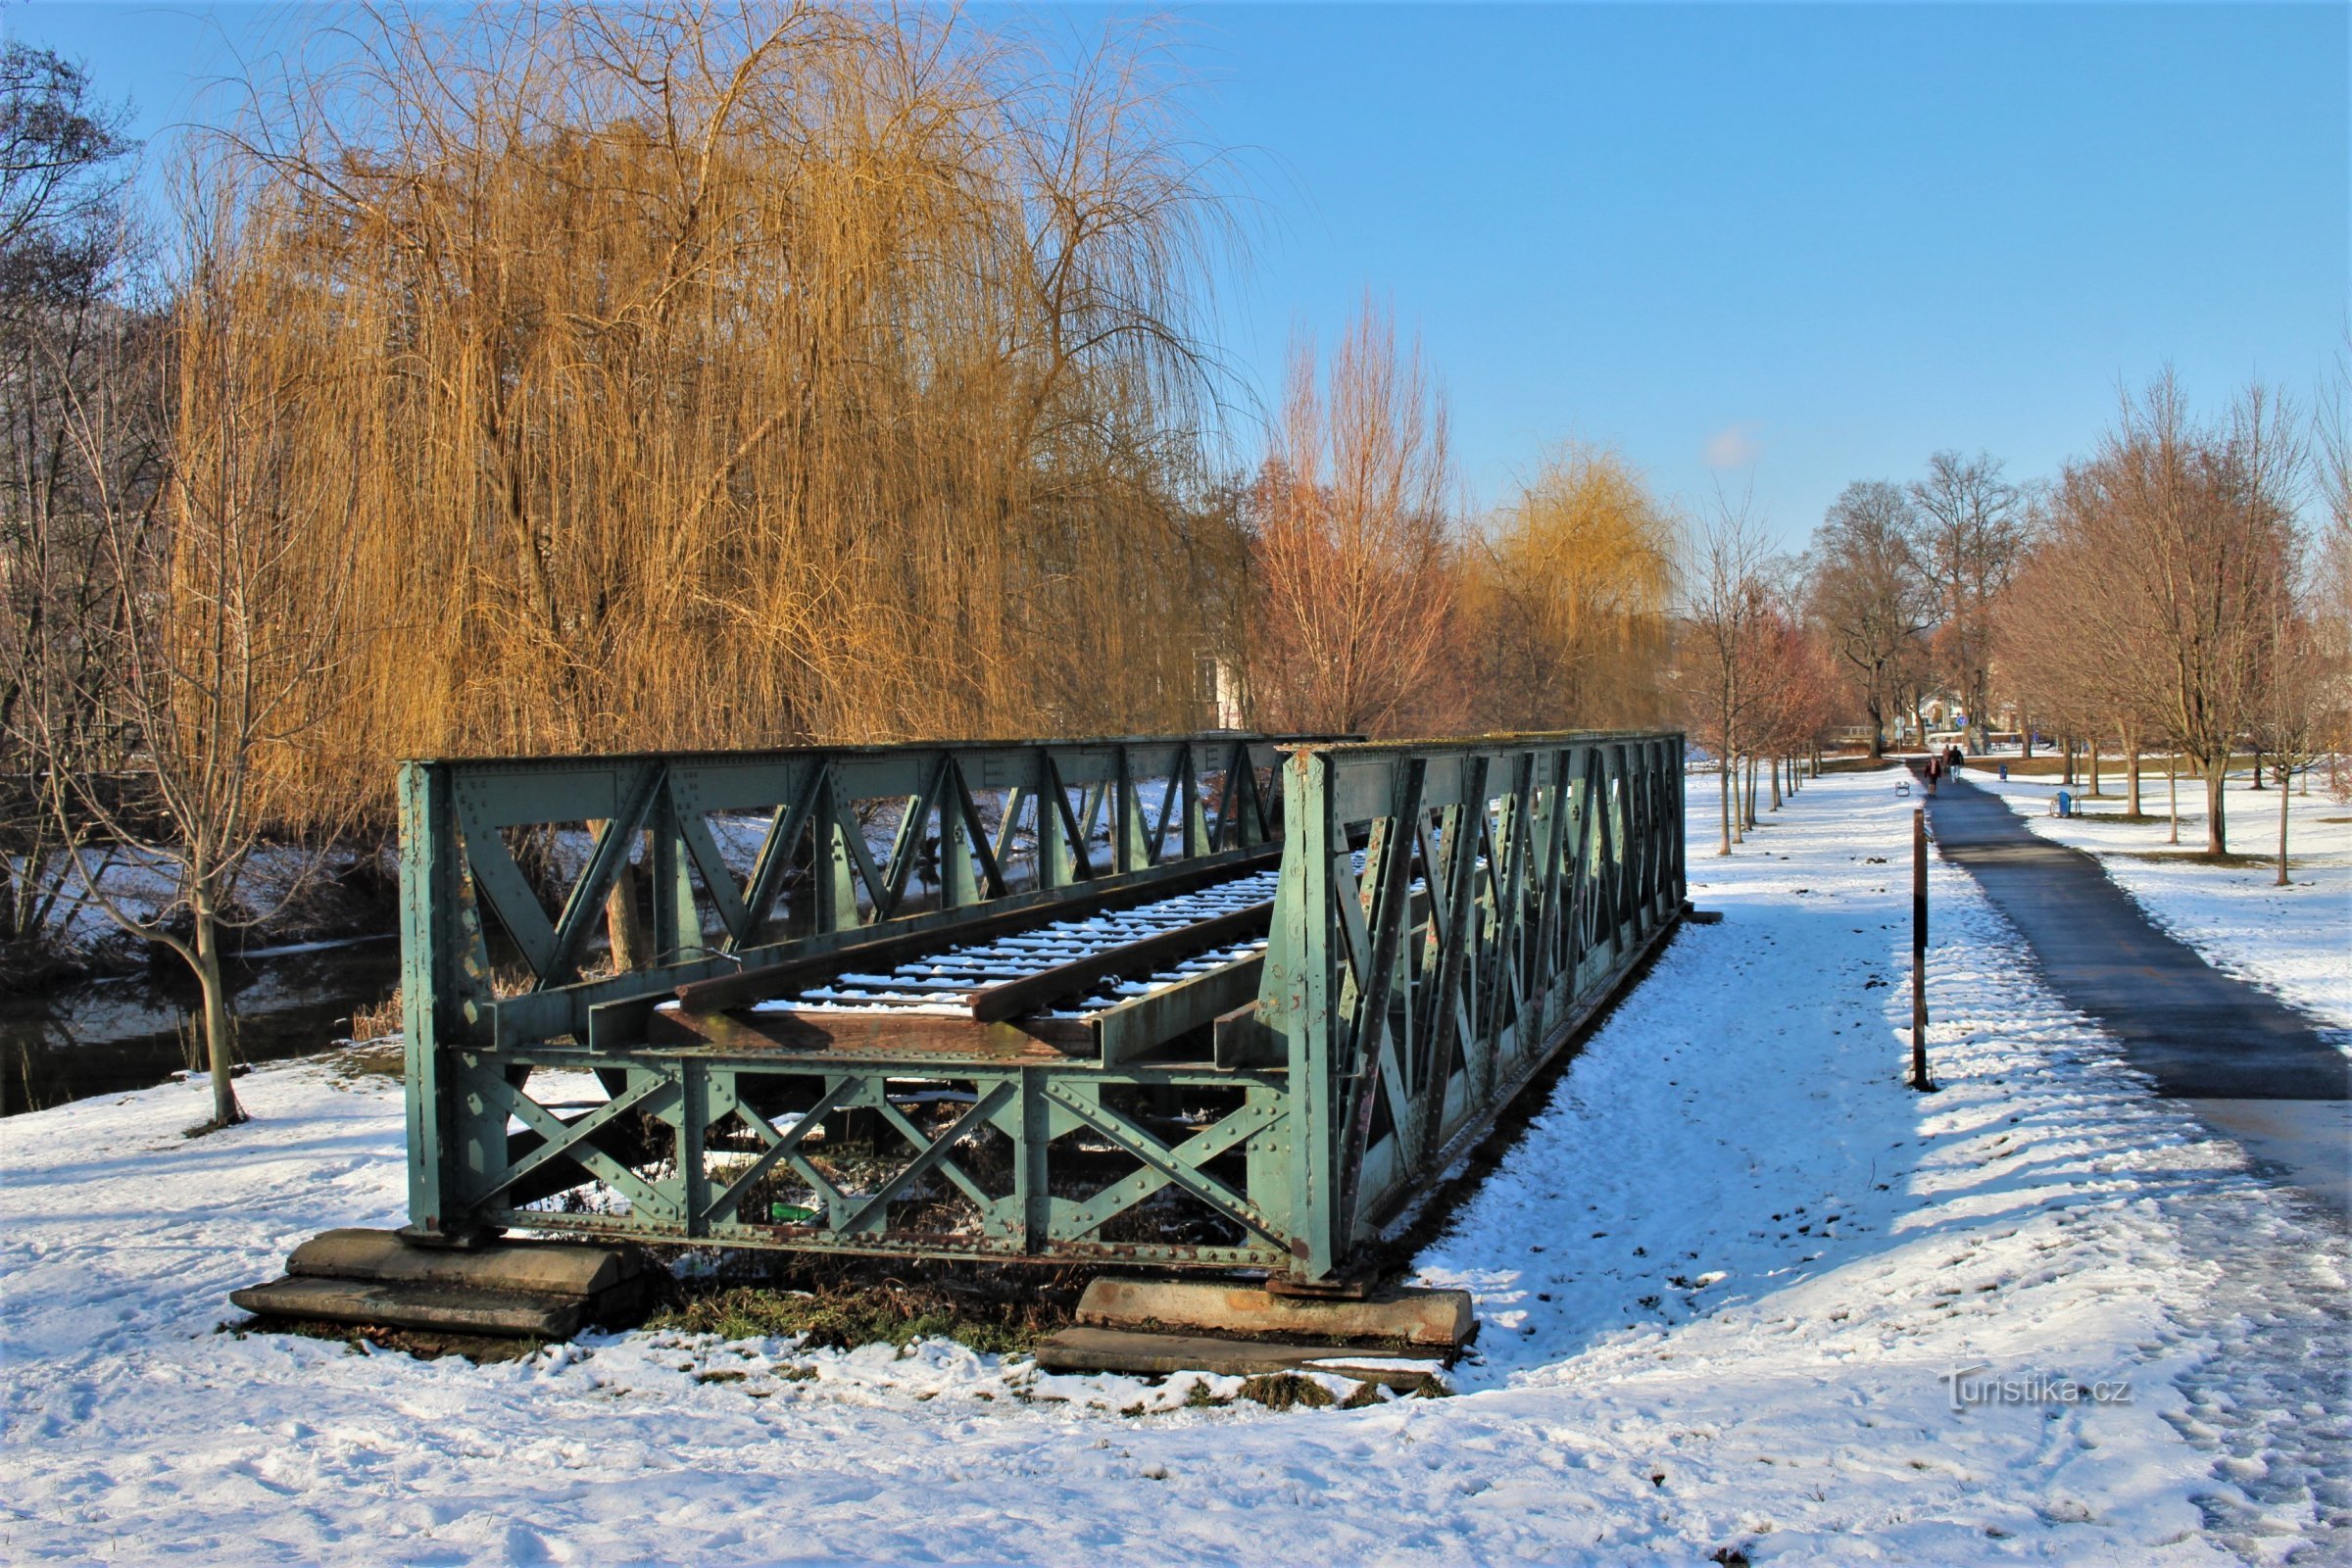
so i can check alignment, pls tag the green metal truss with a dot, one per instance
(1445, 917)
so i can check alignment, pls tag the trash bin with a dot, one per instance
(2004, 772)
(2066, 804)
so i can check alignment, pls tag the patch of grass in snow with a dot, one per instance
(846, 1316)
(1293, 1390)
(374, 1059)
(1288, 1391)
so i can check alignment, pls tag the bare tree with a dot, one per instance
(1796, 693)
(61, 170)
(2064, 637)
(1973, 530)
(1353, 538)
(1724, 616)
(227, 596)
(1868, 593)
(2181, 540)
(68, 317)
(2331, 598)
(2293, 716)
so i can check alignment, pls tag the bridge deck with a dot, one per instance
(1053, 980)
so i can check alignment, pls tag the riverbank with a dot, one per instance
(355, 893)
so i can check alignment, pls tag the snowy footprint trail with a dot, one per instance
(1725, 1277)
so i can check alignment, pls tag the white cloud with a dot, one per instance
(1734, 445)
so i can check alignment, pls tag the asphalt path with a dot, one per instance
(2254, 1068)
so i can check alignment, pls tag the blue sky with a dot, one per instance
(1769, 248)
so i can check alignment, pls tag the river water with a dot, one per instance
(103, 1036)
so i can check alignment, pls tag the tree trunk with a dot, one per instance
(2258, 754)
(2066, 751)
(2131, 775)
(624, 923)
(2283, 832)
(2025, 730)
(2092, 793)
(1775, 783)
(2216, 828)
(2172, 789)
(1723, 774)
(632, 944)
(227, 1112)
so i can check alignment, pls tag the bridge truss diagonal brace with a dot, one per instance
(1178, 1167)
(646, 1092)
(932, 1154)
(575, 1145)
(783, 1147)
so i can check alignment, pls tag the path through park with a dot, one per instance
(2253, 1067)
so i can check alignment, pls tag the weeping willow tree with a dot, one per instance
(1573, 584)
(745, 374)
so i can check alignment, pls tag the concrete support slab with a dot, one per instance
(562, 1268)
(1099, 1349)
(448, 1309)
(1405, 1315)
(547, 1290)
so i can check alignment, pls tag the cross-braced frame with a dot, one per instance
(1443, 918)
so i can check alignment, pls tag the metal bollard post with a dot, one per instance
(1919, 949)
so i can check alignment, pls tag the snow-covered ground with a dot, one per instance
(1740, 1291)
(2294, 941)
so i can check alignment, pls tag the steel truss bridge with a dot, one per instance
(1219, 1001)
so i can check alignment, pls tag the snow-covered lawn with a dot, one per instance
(2295, 940)
(1728, 1283)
